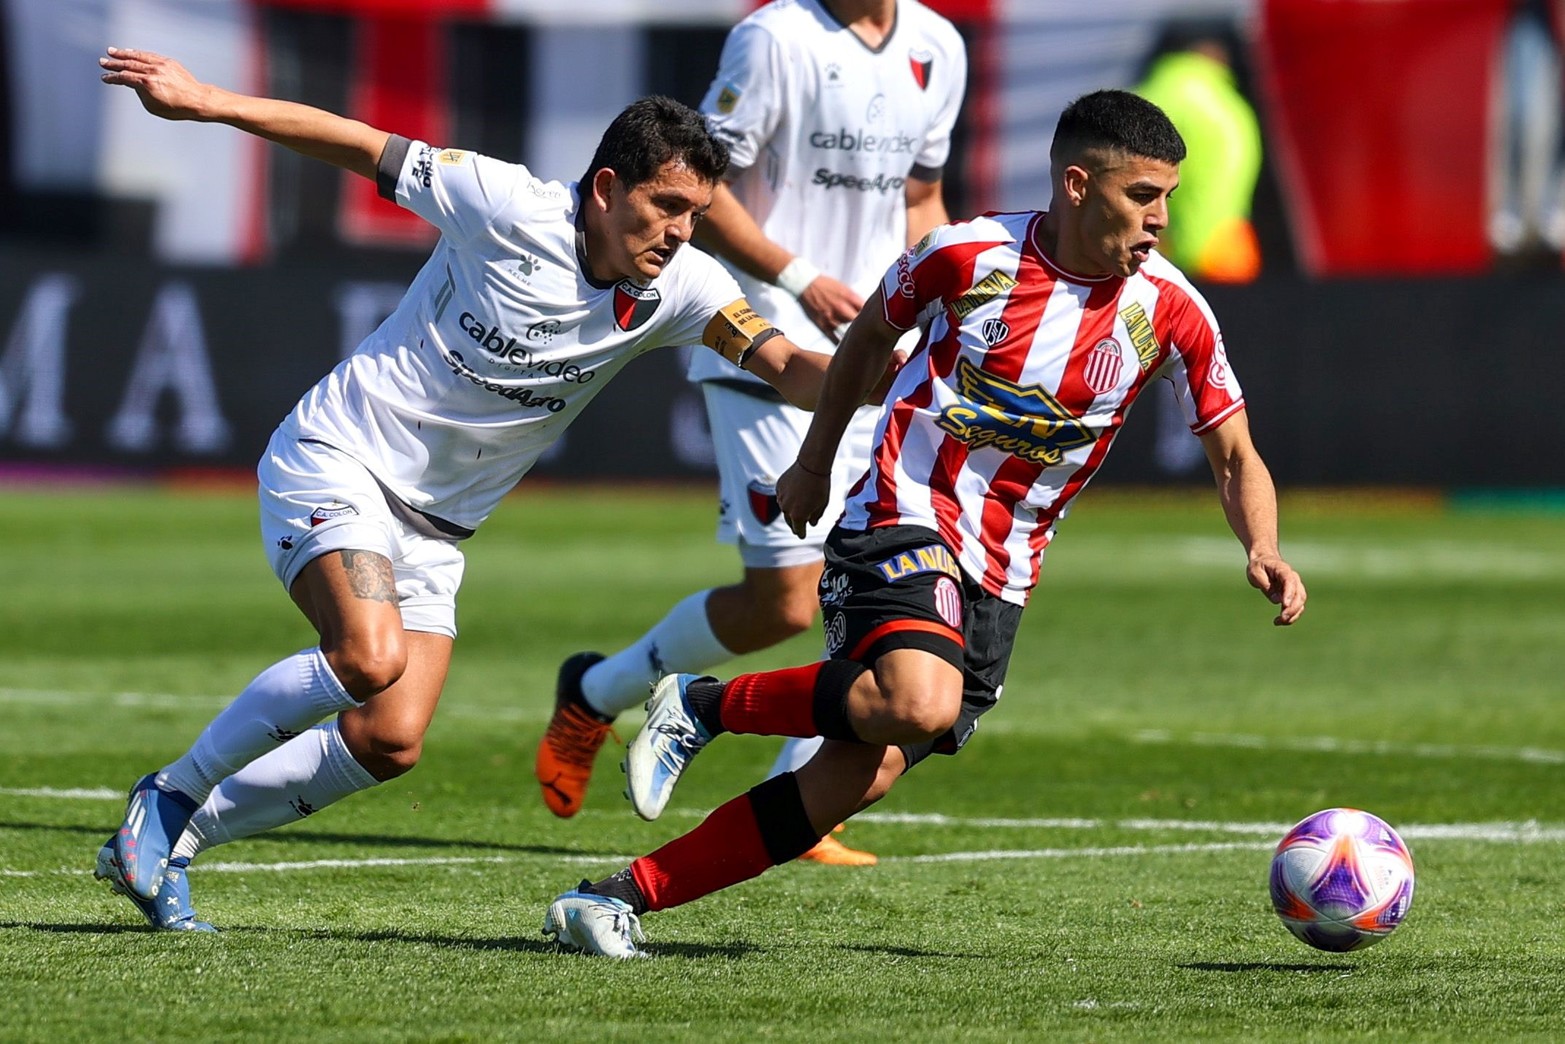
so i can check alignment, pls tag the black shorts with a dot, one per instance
(899, 587)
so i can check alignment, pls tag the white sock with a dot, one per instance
(795, 752)
(283, 700)
(298, 779)
(681, 642)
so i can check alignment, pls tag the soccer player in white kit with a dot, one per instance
(839, 116)
(535, 296)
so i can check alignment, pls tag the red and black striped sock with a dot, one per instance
(739, 840)
(796, 701)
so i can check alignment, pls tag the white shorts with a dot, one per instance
(757, 439)
(316, 499)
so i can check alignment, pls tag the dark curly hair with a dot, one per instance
(649, 133)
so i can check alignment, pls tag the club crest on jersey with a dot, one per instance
(763, 502)
(331, 511)
(921, 62)
(634, 305)
(1104, 363)
(1142, 337)
(994, 331)
(1022, 420)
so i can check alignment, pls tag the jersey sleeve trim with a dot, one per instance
(1212, 422)
(389, 167)
(923, 173)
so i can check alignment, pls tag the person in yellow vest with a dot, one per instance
(1209, 233)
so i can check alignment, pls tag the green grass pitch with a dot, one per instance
(1091, 868)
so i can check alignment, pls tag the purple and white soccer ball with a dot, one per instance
(1341, 880)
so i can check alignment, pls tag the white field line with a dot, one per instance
(1516, 833)
(1330, 745)
(456, 709)
(196, 701)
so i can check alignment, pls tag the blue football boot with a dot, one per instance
(154, 819)
(170, 910)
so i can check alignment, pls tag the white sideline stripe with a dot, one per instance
(1308, 744)
(168, 700)
(1520, 833)
(1330, 745)
(1067, 853)
(74, 793)
(331, 864)
(1528, 832)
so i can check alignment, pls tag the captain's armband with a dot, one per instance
(736, 331)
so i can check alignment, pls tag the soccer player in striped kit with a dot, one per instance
(1046, 328)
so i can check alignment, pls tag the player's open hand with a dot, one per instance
(802, 495)
(831, 305)
(165, 87)
(1280, 583)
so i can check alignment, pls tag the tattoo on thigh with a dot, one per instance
(370, 576)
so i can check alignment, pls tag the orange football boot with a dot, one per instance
(570, 743)
(831, 852)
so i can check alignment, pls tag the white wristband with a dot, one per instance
(796, 276)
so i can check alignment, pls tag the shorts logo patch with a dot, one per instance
(326, 514)
(948, 602)
(634, 305)
(763, 502)
(835, 588)
(836, 633)
(934, 558)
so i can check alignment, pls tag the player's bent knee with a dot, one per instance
(365, 668)
(384, 757)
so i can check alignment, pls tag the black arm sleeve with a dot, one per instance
(389, 168)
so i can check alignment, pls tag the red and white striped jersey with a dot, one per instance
(1018, 387)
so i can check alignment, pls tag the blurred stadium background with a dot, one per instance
(167, 291)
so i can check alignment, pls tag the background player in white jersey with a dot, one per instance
(1048, 327)
(839, 116)
(535, 295)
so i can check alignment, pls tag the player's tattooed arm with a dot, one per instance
(168, 90)
(369, 576)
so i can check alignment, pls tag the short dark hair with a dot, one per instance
(1116, 120)
(649, 133)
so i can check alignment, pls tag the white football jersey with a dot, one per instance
(499, 342)
(823, 133)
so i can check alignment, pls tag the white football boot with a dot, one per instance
(663, 747)
(596, 924)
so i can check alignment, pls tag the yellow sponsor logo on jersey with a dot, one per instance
(932, 559)
(452, 157)
(1022, 420)
(1142, 338)
(986, 289)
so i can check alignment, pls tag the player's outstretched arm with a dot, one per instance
(167, 89)
(729, 231)
(1250, 501)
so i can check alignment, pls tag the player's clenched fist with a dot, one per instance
(165, 87)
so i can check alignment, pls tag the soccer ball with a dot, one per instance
(1341, 880)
